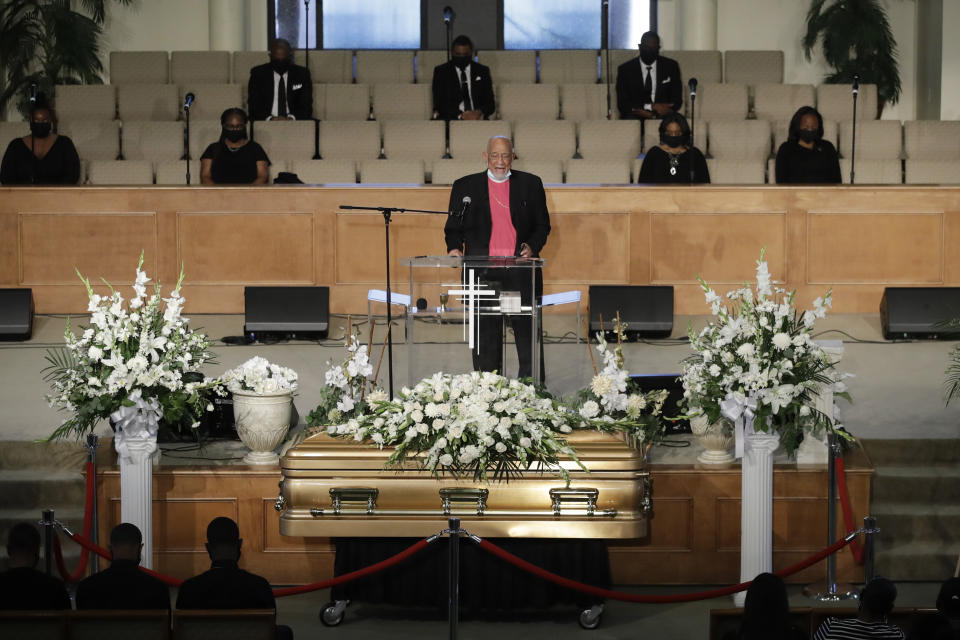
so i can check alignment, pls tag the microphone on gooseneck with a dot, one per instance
(188, 101)
(856, 84)
(34, 92)
(692, 83)
(447, 15)
(464, 206)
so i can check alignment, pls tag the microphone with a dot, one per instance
(692, 83)
(856, 84)
(447, 15)
(188, 101)
(466, 205)
(34, 92)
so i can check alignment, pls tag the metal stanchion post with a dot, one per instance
(870, 530)
(93, 441)
(48, 533)
(830, 591)
(454, 593)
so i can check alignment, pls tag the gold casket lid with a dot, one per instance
(597, 451)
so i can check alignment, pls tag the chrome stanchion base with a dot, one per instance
(822, 592)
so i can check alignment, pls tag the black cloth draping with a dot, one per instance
(487, 583)
(122, 586)
(234, 166)
(656, 168)
(61, 165)
(24, 588)
(798, 165)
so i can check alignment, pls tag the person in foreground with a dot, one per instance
(649, 86)
(462, 88)
(226, 585)
(675, 160)
(234, 159)
(945, 625)
(42, 157)
(507, 216)
(805, 157)
(876, 603)
(766, 612)
(122, 585)
(22, 586)
(279, 89)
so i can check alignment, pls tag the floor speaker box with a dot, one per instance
(273, 313)
(647, 311)
(919, 312)
(16, 314)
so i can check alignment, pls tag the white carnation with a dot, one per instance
(782, 340)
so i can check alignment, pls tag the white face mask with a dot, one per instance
(496, 179)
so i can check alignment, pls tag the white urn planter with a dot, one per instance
(716, 444)
(262, 421)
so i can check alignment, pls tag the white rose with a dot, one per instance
(714, 370)
(422, 428)
(804, 410)
(501, 448)
(525, 442)
(442, 443)
(446, 459)
(589, 409)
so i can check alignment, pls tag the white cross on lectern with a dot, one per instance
(470, 293)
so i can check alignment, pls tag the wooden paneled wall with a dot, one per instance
(854, 239)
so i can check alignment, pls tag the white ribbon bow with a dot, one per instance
(139, 422)
(739, 409)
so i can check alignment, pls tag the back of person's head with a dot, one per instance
(948, 600)
(462, 41)
(878, 597)
(671, 117)
(223, 539)
(126, 541)
(23, 544)
(793, 133)
(766, 609)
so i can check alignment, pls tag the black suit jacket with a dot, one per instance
(122, 586)
(630, 93)
(299, 89)
(26, 588)
(528, 211)
(226, 586)
(446, 90)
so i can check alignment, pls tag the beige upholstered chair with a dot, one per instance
(329, 66)
(753, 67)
(120, 172)
(448, 170)
(598, 171)
(86, 102)
(579, 102)
(325, 171)
(609, 139)
(468, 139)
(402, 102)
(148, 102)
(243, 61)
(414, 140)
(349, 140)
(94, 140)
(932, 139)
(876, 139)
(528, 102)
(139, 67)
(510, 67)
(201, 67)
(778, 102)
(391, 172)
(346, 102)
(375, 67)
(569, 66)
(736, 171)
(721, 102)
(549, 171)
(835, 102)
(211, 100)
(174, 173)
(705, 66)
(873, 171)
(286, 139)
(740, 140)
(539, 140)
(153, 141)
(932, 171)
(427, 60)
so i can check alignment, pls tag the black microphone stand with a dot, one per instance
(306, 31)
(186, 118)
(853, 137)
(693, 119)
(605, 32)
(387, 214)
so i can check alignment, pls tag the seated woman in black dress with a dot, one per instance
(233, 159)
(43, 157)
(806, 158)
(675, 160)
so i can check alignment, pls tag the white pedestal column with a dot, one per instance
(228, 25)
(756, 510)
(698, 25)
(136, 488)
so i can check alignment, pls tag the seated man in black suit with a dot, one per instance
(226, 585)
(22, 586)
(462, 88)
(279, 89)
(649, 86)
(122, 585)
(506, 216)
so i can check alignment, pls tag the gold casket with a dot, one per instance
(338, 488)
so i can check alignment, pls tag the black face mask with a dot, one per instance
(235, 135)
(280, 66)
(808, 136)
(40, 129)
(461, 62)
(649, 54)
(673, 141)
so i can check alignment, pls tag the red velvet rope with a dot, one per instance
(288, 591)
(630, 597)
(87, 528)
(855, 547)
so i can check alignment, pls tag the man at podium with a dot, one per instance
(501, 212)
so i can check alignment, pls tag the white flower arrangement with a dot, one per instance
(612, 402)
(477, 424)
(343, 394)
(145, 349)
(258, 376)
(760, 350)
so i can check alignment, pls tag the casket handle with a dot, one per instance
(354, 495)
(574, 497)
(281, 502)
(450, 495)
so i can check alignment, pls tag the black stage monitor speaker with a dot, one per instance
(274, 313)
(919, 312)
(16, 314)
(671, 406)
(647, 311)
